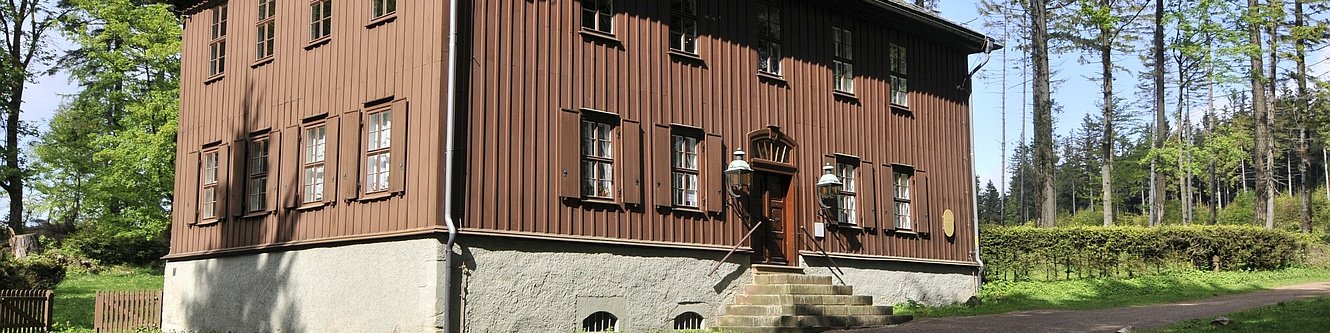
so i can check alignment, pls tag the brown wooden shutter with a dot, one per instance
(867, 192)
(630, 132)
(188, 198)
(349, 156)
(398, 159)
(292, 171)
(712, 172)
(239, 180)
(274, 168)
(922, 203)
(331, 152)
(224, 182)
(887, 214)
(661, 163)
(570, 154)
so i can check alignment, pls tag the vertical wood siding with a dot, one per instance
(528, 62)
(403, 58)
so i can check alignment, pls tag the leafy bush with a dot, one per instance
(116, 245)
(35, 272)
(1022, 253)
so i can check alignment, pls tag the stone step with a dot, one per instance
(760, 269)
(749, 329)
(803, 300)
(768, 279)
(830, 310)
(806, 321)
(797, 289)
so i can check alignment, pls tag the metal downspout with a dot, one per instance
(450, 147)
(974, 202)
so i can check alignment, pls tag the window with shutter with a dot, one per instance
(902, 181)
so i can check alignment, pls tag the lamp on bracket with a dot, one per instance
(738, 175)
(828, 187)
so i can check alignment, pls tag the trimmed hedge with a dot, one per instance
(1025, 253)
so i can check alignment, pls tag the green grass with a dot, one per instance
(1298, 316)
(75, 295)
(1001, 297)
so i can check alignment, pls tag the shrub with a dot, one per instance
(1020, 253)
(35, 272)
(112, 246)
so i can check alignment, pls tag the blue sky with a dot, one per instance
(1074, 88)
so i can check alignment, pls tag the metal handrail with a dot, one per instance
(742, 215)
(824, 254)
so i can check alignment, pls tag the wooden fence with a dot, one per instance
(23, 311)
(128, 310)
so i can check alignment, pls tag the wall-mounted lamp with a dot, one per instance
(738, 175)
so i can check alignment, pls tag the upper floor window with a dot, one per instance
(900, 92)
(320, 19)
(597, 160)
(685, 170)
(314, 154)
(848, 203)
(267, 26)
(901, 184)
(384, 8)
(598, 15)
(768, 43)
(843, 42)
(257, 197)
(217, 45)
(208, 194)
(683, 25)
(378, 153)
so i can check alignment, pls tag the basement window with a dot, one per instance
(600, 321)
(688, 321)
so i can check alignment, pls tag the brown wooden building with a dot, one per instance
(307, 125)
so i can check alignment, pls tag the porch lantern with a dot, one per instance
(737, 174)
(828, 186)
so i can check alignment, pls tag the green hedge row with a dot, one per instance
(1025, 253)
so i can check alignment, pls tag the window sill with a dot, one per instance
(261, 62)
(252, 215)
(214, 78)
(376, 196)
(685, 55)
(207, 222)
(845, 95)
(318, 42)
(603, 36)
(772, 78)
(900, 108)
(845, 226)
(381, 20)
(315, 205)
(687, 210)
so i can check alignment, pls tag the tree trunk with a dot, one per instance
(1043, 113)
(1261, 110)
(1106, 147)
(1304, 115)
(1161, 119)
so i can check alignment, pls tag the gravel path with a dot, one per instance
(1109, 320)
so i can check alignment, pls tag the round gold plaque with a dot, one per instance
(949, 223)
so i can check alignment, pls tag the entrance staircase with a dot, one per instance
(784, 300)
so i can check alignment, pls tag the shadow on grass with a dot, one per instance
(1299, 316)
(1000, 297)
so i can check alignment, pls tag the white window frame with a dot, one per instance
(266, 27)
(685, 170)
(847, 205)
(683, 26)
(217, 42)
(597, 159)
(601, 13)
(378, 150)
(769, 36)
(843, 63)
(257, 168)
(320, 19)
(900, 91)
(901, 194)
(384, 8)
(208, 184)
(314, 155)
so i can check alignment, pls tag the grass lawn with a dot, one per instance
(1000, 297)
(74, 296)
(1299, 316)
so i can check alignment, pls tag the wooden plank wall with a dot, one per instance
(529, 62)
(402, 59)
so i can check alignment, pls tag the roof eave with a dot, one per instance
(972, 41)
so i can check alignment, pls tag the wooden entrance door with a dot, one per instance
(774, 242)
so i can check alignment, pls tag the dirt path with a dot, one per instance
(1109, 320)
